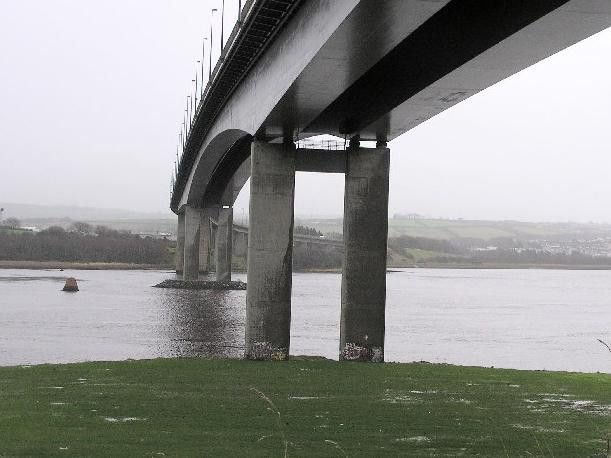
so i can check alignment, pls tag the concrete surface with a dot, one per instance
(365, 235)
(270, 250)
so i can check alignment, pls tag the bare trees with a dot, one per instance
(56, 244)
(12, 223)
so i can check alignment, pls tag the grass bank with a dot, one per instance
(194, 407)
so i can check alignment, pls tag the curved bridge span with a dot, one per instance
(356, 69)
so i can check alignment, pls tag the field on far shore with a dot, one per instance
(305, 407)
(447, 229)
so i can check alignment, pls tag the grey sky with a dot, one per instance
(93, 92)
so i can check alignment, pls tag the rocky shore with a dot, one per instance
(200, 284)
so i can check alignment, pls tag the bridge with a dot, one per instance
(233, 252)
(362, 71)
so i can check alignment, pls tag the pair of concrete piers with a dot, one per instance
(194, 242)
(270, 247)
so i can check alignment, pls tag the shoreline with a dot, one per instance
(70, 265)
(81, 265)
(296, 358)
(501, 266)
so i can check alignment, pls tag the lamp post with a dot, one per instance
(195, 81)
(211, 40)
(187, 119)
(203, 59)
(222, 26)
(184, 128)
(185, 135)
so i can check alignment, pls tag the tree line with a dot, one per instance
(305, 230)
(83, 242)
(314, 257)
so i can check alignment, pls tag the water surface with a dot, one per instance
(530, 319)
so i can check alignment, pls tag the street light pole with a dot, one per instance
(187, 121)
(222, 26)
(188, 116)
(195, 80)
(211, 40)
(203, 59)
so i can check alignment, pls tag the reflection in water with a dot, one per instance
(203, 322)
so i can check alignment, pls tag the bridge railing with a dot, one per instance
(194, 103)
(326, 144)
(257, 24)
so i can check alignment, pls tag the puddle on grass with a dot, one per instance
(459, 401)
(400, 399)
(123, 419)
(538, 429)
(419, 397)
(417, 439)
(562, 400)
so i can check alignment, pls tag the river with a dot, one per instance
(525, 319)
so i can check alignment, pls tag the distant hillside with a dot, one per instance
(43, 216)
(445, 229)
(29, 212)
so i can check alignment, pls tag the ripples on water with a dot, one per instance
(533, 319)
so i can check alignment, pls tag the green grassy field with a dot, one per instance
(446, 229)
(195, 407)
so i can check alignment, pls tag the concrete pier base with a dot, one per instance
(365, 239)
(223, 244)
(192, 217)
(270, 251)
(180, 244)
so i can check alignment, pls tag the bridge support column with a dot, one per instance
(179, 256)
(193, 218)
(365, 238)
(270, 251)
(223, 244)
(205, 239)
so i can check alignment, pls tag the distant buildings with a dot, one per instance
(599, 246)
(157, 235)
(407, 216)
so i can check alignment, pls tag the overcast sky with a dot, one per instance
(93, 93)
